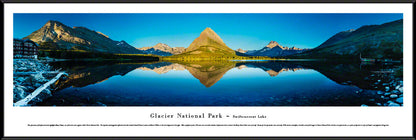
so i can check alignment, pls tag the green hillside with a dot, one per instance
(371, 41)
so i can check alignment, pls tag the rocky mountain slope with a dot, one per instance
(162, 50)
(371, 41)
(208, 45)
(241, 50)
(55, 35)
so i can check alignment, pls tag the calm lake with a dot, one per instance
(215, 83)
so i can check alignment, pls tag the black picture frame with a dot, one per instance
(201, 1)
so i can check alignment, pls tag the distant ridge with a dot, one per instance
(162, 50)
(273, 49)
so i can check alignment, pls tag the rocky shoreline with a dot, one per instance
(28, 75)
(389, 88)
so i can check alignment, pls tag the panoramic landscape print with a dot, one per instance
(218, 59)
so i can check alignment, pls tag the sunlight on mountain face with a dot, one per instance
(209, 72)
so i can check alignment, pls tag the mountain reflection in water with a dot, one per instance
(83, 73)
(88, 75)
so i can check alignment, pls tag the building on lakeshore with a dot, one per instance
(25, 48)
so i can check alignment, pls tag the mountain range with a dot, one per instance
(371, 41)
(273, 49)
(59, 36)
(162, 50)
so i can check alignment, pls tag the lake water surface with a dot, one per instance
(214, 83)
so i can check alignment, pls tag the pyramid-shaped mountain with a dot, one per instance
(208, 44)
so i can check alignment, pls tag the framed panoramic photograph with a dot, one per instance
(214, 70)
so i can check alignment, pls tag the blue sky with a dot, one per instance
(238, 30)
